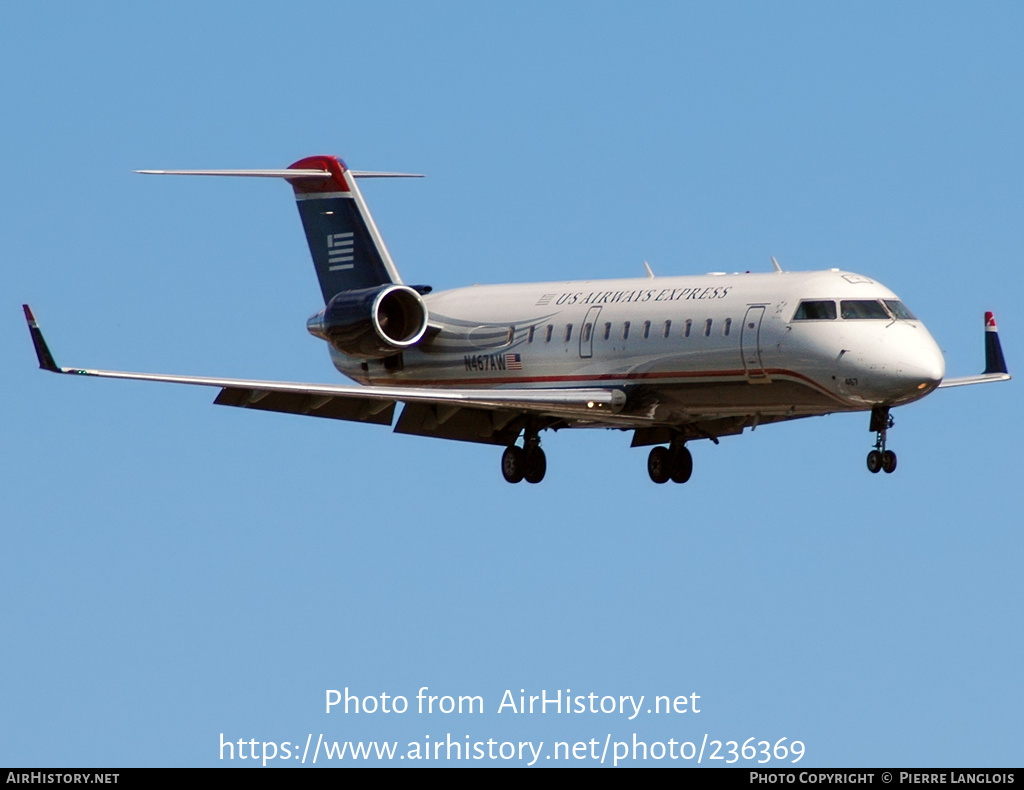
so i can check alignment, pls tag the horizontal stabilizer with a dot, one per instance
(348, 250)
(289, 174)
(380, 174)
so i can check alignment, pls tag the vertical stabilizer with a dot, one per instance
(348, 251)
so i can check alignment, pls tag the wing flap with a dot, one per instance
(484, 426)
(353, 409)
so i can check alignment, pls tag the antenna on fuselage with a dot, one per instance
(775, 263)
(650, 274)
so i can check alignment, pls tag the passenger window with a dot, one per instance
(817, 310)
(647, 329)
(607, 329)
(625, 331)
(529, 337)
(547, 334)
(568, 332)
(707, 328)
(726, 327)
(586, 332)
(863, 309)
(686, 327)
(668, 327)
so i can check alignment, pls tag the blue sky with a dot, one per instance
(173, 570)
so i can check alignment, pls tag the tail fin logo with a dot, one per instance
(340, 251)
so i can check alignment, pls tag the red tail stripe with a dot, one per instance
(338, 182)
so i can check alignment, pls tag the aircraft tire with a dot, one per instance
(535, 465)
(874, 462)
(682, 465)
(659, 464)
(513, 466)
(888, 462)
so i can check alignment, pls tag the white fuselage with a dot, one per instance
(680, 347)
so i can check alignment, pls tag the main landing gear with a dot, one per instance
(881, 459)
(524, 463)
(670, 463)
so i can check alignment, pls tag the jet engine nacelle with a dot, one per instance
(372, 323)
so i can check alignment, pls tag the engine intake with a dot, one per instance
(372, 323)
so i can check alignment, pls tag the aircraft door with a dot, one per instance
(587, 332)
(750, 344)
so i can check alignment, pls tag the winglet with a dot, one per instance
(42, 351)
(995, 364)
(994, 361)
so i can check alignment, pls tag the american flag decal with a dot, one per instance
(513, 362)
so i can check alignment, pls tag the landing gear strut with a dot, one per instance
(670, 463)
(524, 463)
(881, 459)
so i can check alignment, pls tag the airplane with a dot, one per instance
(672, 359)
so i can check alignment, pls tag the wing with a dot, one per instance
(482, 415)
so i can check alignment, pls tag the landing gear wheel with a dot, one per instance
(682, 465)
(513, 466)
(535, 465)
(659, 464)
(881, 459)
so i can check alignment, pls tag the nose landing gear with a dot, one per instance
(880, 459)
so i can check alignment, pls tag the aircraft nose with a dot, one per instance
(906, 364)
(921, 367)
(927, 369)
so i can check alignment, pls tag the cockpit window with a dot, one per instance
(864, 308)
(815, 310)
(899, 310)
